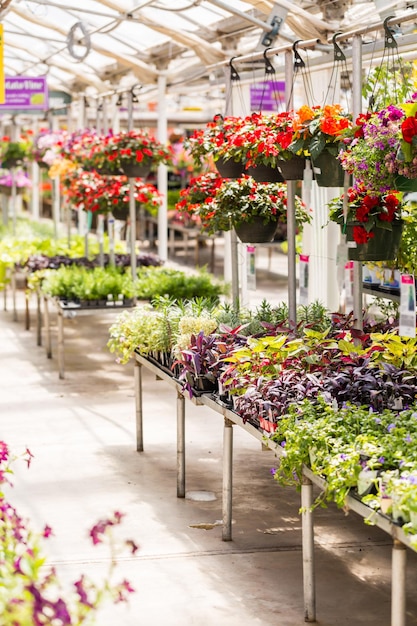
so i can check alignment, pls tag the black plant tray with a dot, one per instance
(96, 304)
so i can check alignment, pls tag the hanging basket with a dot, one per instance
(10, 163)
(135, 170)
(6, 190)
(121, 212)
(327, 170)
(256, 231)
(42, 165)
(405, 184)
(228, 168)
(105, 171)
(383, 247)
(265, 174)
(292, 169)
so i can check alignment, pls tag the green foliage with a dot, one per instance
(161, 281)
(388, 83)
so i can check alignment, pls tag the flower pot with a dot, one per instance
(135, 170)
(383, 247)
(366, 482)
(106, 171)
(405, 184)
(292, 169)
(256, 231)
(9, 163)
(228, 168)
(327, 170)
(265, 174)
(121, 211)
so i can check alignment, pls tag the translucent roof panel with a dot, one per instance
(100, 44)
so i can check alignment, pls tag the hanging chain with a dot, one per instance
(300, 69)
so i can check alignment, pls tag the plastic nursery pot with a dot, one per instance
(256, 231)
(327, 170)
(135, 170)
(292, 169)
(383, 247)
(265, 174)
(228, 168)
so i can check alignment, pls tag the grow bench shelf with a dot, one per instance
(381, 292)
(400, 540)
(68, 310)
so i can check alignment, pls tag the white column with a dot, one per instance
(35, 178)
(320, 241)
(162, 169)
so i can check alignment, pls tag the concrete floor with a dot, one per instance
(81, 431)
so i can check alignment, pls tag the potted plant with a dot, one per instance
(47, 147)
(253, 209)
(373, 222)
(380, 153)
(218, 141)
(133, 153)
(14, 153)
(93, 192)
(318, 133)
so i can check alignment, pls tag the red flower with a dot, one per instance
(409, 129)
(360, 235)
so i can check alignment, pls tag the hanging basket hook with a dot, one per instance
(269, 68)
(390, 41)
(339, 55)
(233, 71)
(298, 61)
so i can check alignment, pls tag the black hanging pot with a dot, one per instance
(292, 169)
(228, 168)
(106, 171)
(135, 170)
(265, 174)
(256, 231)
(327, 170)
(10, 163)
(405, 184)
(121, 211)
(383, 246)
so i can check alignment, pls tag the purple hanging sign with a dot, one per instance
(267, 96)
(26, 92)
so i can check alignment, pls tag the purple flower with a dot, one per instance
(390, 427)
(408, 438)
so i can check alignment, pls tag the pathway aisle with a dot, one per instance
(81, 432)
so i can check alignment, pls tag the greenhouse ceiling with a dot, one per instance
(93, 46)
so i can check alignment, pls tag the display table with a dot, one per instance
(65, 310)
(400, 540)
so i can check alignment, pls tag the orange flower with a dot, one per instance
(305, 113)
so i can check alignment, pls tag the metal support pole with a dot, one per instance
(132, 203)
(110, 230)
(227, 479)
(235, 269)
(13, 281)
(162, 169)
(27, 311)
(291, 227)
(13, 200)
(138, 406)
(38, 319)
(56, 206)
(180, 446)
(357, 108)
(48, 345)
(399, 561)
(100, 233)
(291, 235)
(60, 351)
(308, 551)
